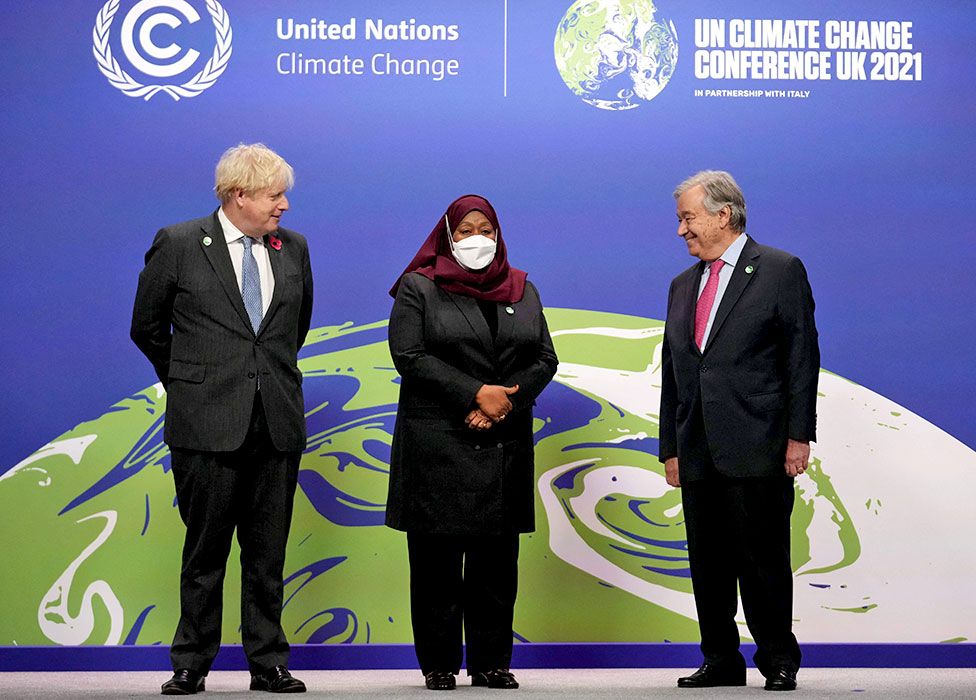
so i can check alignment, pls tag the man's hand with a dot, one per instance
(493, 400)
(797, 457)
(476, 420)
(671, 472)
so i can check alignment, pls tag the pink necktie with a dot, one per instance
(706, 300)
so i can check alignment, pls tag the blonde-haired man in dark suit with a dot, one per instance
(222, 308)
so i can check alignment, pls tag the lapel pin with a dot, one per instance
(207, 240)
(749, 269)
(509, 310)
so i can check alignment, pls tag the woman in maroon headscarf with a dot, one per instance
(473, 351)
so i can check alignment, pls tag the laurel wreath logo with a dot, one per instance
(121, 80)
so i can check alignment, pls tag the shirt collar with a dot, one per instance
(731, 255)
(231, 232)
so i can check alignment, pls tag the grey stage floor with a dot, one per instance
(536, 683)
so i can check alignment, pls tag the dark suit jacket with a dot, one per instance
(757, 378)
(189, 320)
(445, 477)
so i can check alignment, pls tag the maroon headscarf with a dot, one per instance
(497, 282)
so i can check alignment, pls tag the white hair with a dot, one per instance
(721, 190)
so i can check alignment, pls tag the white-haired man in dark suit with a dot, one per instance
(739, 364)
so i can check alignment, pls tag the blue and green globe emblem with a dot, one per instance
(615, 54)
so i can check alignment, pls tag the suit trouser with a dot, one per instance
(252, 490)
(469, 581)
(739, 533)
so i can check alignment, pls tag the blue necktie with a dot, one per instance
(251, 285)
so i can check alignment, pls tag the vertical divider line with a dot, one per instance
(505, 51)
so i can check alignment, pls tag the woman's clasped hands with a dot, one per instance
(493, 406)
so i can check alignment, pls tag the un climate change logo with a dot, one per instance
(614, 53)
(165, 63)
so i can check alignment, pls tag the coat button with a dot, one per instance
(702, 369)
(250, 375)
(477, 447)
(500, 445)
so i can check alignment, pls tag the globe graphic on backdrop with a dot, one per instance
(615, 54)
(91, 514)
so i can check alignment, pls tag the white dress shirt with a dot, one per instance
(731, 258)
(235, 245)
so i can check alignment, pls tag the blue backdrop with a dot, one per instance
(576, 119)
(866, 181)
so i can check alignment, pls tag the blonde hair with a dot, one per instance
(251, 167)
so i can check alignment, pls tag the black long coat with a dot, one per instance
(446, 478)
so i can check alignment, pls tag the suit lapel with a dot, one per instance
(274, 257)
(737, 284)
(219, 256)
(691, 301)
(469, 307)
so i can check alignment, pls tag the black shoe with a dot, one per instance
(713, 675)
(499, 678)
(781, 678)
(440, 680)
(184, 682)
(277, 680)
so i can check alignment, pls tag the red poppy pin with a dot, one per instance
(275, 242)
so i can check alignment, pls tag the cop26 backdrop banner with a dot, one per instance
(849, 126)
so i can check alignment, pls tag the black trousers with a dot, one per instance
(739, 534)
(463, 581)
(252, 490)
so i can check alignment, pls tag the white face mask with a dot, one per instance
(473, 252)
